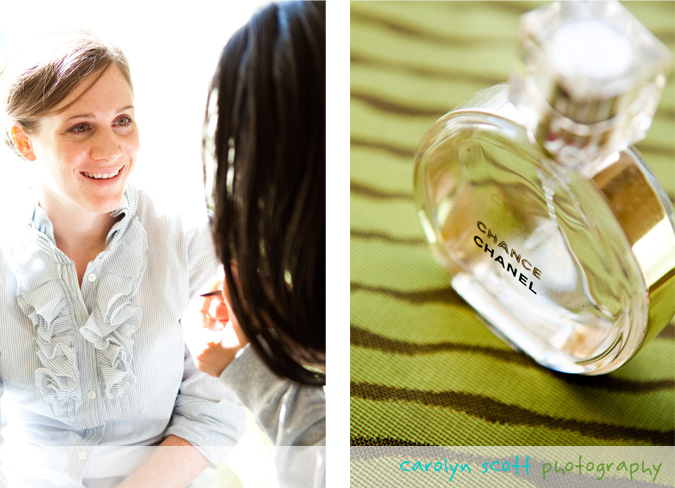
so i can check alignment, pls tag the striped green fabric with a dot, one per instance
(424, 369)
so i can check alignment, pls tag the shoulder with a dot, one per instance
(167, 220)
(181, 238)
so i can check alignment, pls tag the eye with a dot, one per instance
(79, 128)
(124, 121)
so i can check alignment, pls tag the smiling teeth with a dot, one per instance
(102, 176)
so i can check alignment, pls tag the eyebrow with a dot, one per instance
(92, 116)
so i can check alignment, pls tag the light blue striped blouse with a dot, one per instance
(105, 364)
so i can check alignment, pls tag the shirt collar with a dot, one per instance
(126, 209)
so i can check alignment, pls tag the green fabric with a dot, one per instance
(424, 369)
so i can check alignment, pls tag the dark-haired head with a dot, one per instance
(269, 194)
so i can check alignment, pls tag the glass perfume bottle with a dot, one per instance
(550, 224)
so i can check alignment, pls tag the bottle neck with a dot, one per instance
(577, 132)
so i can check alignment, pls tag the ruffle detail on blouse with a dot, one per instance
(42, 273)
(114, 319)
(43, 298)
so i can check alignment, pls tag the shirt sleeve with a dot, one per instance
(206, 412)
(290, 414)
(201, 256)
(3, 480)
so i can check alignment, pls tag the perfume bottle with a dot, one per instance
(549, 223)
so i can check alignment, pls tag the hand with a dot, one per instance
(211, 331)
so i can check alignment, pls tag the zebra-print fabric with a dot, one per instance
(424, 369)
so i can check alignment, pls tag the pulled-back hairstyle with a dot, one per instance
(269, 193)
(46, 69)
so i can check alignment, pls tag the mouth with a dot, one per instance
(103, 176)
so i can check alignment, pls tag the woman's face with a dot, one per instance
(88, 151)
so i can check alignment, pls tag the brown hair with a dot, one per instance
(46, 70)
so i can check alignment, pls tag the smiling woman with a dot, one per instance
(86, 309)
(86, 146)
(78, 130)
(172, 61)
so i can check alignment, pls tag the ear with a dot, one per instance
(22, 142)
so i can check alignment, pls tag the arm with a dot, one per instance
(289, 413)
(3, 480)
(293, 416)
(206, 414)
(206, 420)
(206, 423)
(175, 463)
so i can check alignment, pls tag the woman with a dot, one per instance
(94, 282)
(269, 223)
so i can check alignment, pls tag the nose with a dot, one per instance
(105, 146)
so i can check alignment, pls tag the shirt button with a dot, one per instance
(91, 394)
(91, 277)
(82, 455)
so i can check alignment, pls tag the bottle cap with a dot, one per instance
(589, 78)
